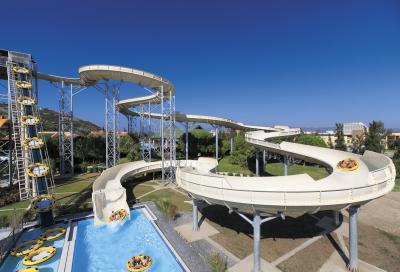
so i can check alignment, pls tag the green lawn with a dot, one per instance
(397, 186)
(73, 194)
(276, 169)
(225, 166)
(174, 197)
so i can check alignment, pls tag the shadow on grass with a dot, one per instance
(132, 182)
(304, 226)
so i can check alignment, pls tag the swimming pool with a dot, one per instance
(109, 247)
(12, 263)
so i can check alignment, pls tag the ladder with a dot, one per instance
(15, 108)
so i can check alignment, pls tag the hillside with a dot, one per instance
(50, 118)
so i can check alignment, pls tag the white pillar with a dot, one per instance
(257, 164)
(232, 135)
(353, 239)
(187, 140)
(195, 215)
(285, 165)
(256, 245)
(216, 142)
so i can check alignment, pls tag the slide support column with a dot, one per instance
(187, 140)
(256, 224)
(353, 239)
(257, 164)
(195, 215)
(285, 165)
(216, 143)
(231, 132)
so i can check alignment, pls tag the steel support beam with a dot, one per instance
(285, 165)
(231, 139)
(257, 163)
(195, 214)
(216, 142)
(187, 141)
(353, 239)
(111, 124)
(256, 224)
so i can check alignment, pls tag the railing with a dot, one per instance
(16, 221)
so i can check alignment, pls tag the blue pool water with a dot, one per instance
(108, 248)
(13, 263)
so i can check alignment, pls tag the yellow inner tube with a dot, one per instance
(29, 120)
(33, 143)
(21, 70)
(29, 269)
(39, 255)
(37, 170)
(38, 199)
(49, 236)
(26, 101)
(118, 215)
(130, 265)
(19, 251)
(23, 84)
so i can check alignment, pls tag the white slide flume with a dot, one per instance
(293, 194)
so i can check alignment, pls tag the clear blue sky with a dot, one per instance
(301, 63)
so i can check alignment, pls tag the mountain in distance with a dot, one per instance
(50, 121)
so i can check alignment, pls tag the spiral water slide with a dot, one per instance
(294, 194)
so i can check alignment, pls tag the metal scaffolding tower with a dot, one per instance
(157, 135)
(26, 128)
(168, 137)
(66, 130)
(111, 94)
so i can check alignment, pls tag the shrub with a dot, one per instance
(218, 262)
(169, 209)
(397, 165)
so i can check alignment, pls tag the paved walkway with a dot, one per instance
(383, 213)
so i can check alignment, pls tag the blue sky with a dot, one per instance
(301, 63)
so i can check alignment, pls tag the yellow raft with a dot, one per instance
(36, 206)
(118, 215)
(19, 251)
(33, 143)
(26, 101)
(139, 263)
(29, 269)
(348, 164)
(37, 170)
(21, 70)
(29, 120)
(49, 235)
(23, 84)
(39, 255)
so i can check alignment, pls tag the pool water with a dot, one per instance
(12, 263)
(109, 247)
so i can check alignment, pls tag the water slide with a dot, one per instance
(294, 194)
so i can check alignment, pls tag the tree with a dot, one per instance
(243, 153)
(358, 143)
(374, 136)
(340, 143)
(330, 143)
(311, 139)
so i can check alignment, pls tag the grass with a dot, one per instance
(73, 193)
(397, 185)
(174, 197)
(142, 189)
(225, 166)
(276, 169)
